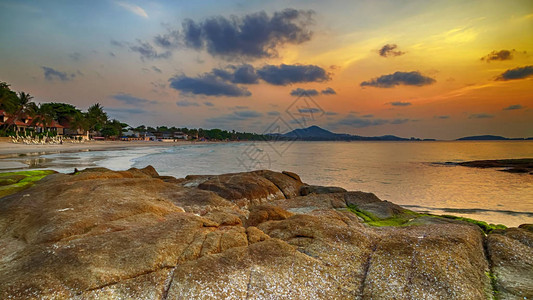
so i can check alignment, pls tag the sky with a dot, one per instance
(428, 69)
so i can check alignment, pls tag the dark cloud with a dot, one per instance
(156, 69)
(192, 34)
(274, 113)
(513, 107)
(287, 74)
(75, 56)
(255, 35)
(331, 113)
(399, 78)
(244, 74)
(125, 110)
(516, 73)
(208, 85)
(328, 91)
(354, 121)
(481, 116)
(312, 110)
(170, 40)
(207, 103)
(117, 43)
(247, 114)
(300, 92)
(240, 107)
(147, 51)
(499, 55)
(400, 103)
(52, 74)
(132, 100)
(442, 117)
(388, 50)
(399, 121)
(185, 103)
(235, 116)
(367, 121)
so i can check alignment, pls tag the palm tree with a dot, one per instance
(96, 117)
(80, 122)
(8, 98)
(22, 108)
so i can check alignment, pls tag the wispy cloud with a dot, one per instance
(133, 8)
(52, 74)
(513, 107)
(481, 116)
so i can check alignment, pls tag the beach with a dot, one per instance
(8, 149)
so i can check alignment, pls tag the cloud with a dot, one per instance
(399, 121)
(51, 74)
(328, 91)
(125, 110)
(388, 50)
(156, 69)
(399, 103)
(169, 40)
(185, 103)
(256, 35)
(76, 56)
(134, 9)
(287, 74)
(273, 113)
(300, 92)
(481, 116)
(399, 78)
(244, 74)
(312, 110)
(207, 103)
(516, 73)
(331, 113)
(132, 100)
(499, 55)
(235, 116)
(117, 43)
(247, 114)
(208, 85)
(354, 121)
(442, 117)
(513, 107)
(147, 51)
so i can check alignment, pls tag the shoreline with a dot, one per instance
(10, 150)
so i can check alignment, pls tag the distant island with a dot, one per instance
(315, 133)
(491, 138)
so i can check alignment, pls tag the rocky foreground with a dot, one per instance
(259, 235)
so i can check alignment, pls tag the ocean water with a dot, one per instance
(412, 174)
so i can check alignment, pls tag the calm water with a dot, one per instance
(406, 173)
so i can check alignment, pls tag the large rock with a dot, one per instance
(510, 253)
(136, 235)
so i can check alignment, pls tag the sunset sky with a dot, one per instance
(430, 69)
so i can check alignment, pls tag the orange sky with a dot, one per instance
(108, 52)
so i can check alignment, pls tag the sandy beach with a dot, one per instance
(9, 150)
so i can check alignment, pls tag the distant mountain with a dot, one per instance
(315, 133)
(488, 138)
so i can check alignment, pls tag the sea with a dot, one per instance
(420, 176)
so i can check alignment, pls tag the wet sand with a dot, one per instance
(10, 150)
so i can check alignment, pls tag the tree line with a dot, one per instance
(18, 106)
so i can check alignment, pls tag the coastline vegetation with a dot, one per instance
(16, 108)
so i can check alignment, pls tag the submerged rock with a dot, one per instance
(134, 234)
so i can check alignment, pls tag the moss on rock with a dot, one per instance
(13, 182)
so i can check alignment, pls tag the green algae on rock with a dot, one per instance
(13, 182)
